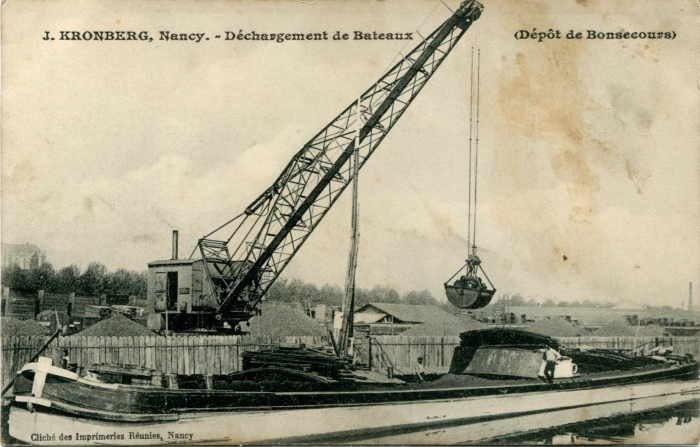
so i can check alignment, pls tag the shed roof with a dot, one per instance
(410, 313)
(173, 262)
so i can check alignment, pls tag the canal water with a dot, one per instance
(659, 420)
(671, 419)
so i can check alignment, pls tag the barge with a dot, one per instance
(495, 374)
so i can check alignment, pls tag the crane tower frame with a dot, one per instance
(274, 226)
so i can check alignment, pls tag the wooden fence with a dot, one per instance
(402, 352)
(681, 345)
(193, 354)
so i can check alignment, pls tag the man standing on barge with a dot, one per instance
(550, 356)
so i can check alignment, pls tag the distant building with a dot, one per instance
(22, 255)
(628, 305)
(596, 317)
(392, 319)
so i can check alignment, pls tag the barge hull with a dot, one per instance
(44, 426)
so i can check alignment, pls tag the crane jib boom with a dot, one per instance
(320, 171)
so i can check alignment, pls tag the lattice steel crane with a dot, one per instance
(242, 267)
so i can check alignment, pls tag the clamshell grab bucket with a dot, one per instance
(468, 298)
(469, 291)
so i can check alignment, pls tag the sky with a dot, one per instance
(588, 181)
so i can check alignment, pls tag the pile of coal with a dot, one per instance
(616, 328)
(12, 327)
(556, 327)
(116, 326)
(284, 320)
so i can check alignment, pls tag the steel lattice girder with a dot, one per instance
(317, 175)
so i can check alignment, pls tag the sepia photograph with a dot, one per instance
(376, 222)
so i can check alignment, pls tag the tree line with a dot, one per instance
(97, 280)
(296, 290)
(94, 281)
(519, 300)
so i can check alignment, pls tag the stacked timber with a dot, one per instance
(299, 358)
(21, 307)
(125, 374)
(92, 311)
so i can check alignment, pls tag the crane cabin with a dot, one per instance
(174, 286)
(180, 296)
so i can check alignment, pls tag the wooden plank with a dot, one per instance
(104, 350)
(100, 353)
(133, 351)
(128, 349)
(8, 348)
(157, 352)
(160, 351)
(199, 357)
(188, 365)
(216, 354)
(180, 348)
(76, 353)
(64, 344)
(85, 349)
(235, 354)
(209, 349)
(149, 360)
(122, 350)
(199, 353)
(78, 350)
(141, 346)
(165, 356)
(174, 357)
(222, 356)
(9, 359)
(108, 350)
(170, 354)
(225, 351)
(116, 349)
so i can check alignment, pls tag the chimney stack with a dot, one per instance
(690, 297)
(174, 244)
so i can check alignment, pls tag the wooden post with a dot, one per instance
(157, 379)
(71, 304)
(5, 299)
(172, 381)
(39, 303)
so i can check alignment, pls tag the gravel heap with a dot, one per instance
(443, 330)
(651, 330)
(12, 327)
(284, 320)
(616, 329)
(116, 326)
(556, 327)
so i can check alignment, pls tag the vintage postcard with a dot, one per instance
(406, 222)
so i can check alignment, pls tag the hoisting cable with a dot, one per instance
(476, 145)
(471, 119)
